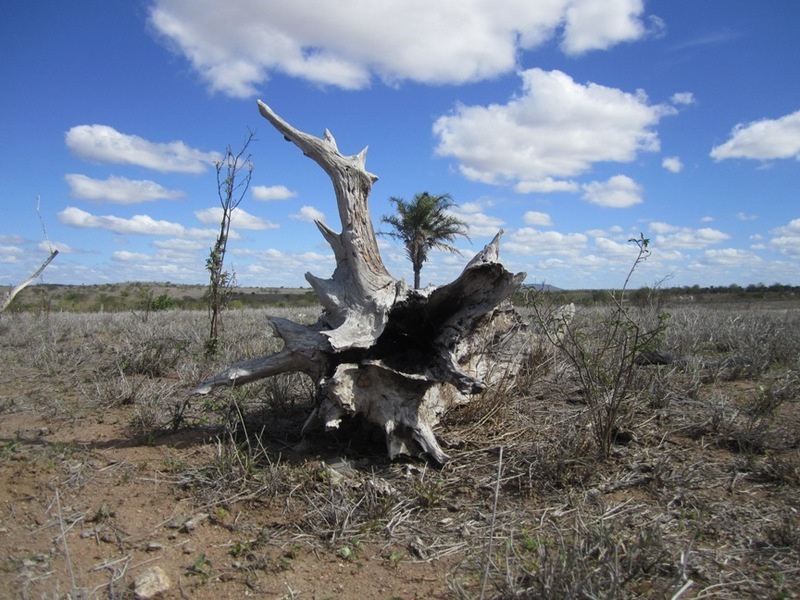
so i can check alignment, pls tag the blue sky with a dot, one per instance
(573, 125)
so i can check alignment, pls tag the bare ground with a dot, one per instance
(699, 498)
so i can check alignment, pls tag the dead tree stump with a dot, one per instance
(397, 356)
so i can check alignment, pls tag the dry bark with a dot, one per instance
(18, 288)
(396, 356)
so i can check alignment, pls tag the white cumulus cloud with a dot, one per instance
(556, 128)
(267, 193)
(479, 224)
(118, 190)
(729, 257)
(763, 140)
(672, 164)
(101, 143)
(620, 191)
(310, 214)
(684, 98)
(12, 238)
(49, 246)
(529, 240)
(537, 219)
(10, 254)
(240, 219)
(236, 46)
(673, 237)
(593, 24)
(136, 225)
(181, 246)
(545, 186)
(787, 238)
(612, 249)
(127, 256)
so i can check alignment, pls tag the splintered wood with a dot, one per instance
(396, 356)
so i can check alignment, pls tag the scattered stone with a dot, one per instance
(176, 522)
(152, 583)
(184, 523)
(154, 546)
(192, 523)
(87, 533)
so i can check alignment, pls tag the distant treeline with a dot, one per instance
(142, 296)
(676, 294)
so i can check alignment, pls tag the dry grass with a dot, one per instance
(698, 497)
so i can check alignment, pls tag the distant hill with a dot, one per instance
(541, 287)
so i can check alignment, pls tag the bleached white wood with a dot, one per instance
(399, 357)
(21, 286)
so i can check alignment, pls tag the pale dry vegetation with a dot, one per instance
(683, 483)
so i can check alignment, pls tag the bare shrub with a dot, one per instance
(766, 338)
(602, 345)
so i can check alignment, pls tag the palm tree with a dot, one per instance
(424, 224)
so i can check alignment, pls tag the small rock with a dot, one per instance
(176, 522)
(192, 523)
(152, 583)
(154, 546)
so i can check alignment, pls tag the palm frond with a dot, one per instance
(424, 224)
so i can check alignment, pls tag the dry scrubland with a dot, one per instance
(102, 462)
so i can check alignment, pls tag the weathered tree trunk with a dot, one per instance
(18, 288)
(396, 356)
